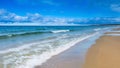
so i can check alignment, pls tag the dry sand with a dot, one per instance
(104, 54)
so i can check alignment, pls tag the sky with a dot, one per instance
(57, 10)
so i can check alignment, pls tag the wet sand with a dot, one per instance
(112, 33)
(71, 58)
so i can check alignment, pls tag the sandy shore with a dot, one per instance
(105, 53)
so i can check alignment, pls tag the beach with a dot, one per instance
(59, 33)
(103, 53)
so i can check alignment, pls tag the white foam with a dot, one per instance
(113, 34)
(25, 46)
(39, 59)
(59, 31)
(114, 31)
(97, 29)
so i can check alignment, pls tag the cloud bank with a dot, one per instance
(37, 19)
(12, 18)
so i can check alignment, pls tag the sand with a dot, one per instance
(104, 54)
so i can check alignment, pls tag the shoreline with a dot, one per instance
(105, 53)
(86, 55)
(71, 57)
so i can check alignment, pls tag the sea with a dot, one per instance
(28, 46)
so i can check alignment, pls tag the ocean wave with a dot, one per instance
(59, 31)
(25, 46)
(47, 55)
(97, 29)
(27, 55)
(16, 56)
(2, 36)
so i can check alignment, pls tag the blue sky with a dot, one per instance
(62, 8)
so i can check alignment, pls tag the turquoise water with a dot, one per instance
(26, 34)
(23, 46)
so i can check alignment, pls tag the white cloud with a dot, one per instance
(8, 17)
(37, 19)
(115, 7)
